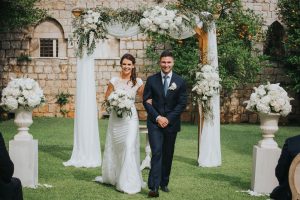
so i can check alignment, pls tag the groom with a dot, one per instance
(165, 98)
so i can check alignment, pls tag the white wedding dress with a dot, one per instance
(121, 159)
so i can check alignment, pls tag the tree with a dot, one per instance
(15, 14)
(289, 11)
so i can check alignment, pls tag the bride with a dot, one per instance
(121, 160)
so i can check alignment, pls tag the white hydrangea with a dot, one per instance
(207, 86)
(22, 93)
(270, 98)
(161, 20)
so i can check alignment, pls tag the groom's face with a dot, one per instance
(166, 64)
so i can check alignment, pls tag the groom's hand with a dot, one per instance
(162, 121)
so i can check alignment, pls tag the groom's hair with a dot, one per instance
(166, 53)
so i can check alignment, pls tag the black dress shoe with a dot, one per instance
(165, 188)
(153, 193)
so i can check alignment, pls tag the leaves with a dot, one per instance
(19, 14)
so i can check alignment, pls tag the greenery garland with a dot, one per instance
(91, 25)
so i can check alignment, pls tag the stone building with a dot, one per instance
(53, 62)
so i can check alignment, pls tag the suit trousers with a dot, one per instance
(162, 145)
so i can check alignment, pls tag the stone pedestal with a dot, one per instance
(263, 169)
(24, 154)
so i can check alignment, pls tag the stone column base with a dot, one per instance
(263, 169)
(24, 154)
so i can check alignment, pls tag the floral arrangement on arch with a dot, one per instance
(270, 98)
(22, 93)
(88, 28)
(207, 85)
(161, 20)
(120, 102)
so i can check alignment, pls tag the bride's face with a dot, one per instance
(127, 66)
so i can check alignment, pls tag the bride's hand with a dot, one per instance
(149, 101)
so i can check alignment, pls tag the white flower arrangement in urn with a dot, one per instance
(21, 96)
(207, 85)
(270, 101)
(22, 93)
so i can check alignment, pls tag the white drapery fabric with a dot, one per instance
(86, 148)
(119, 31)
(210, 146)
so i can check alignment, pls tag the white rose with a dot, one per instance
(153, 28)
(89, 20)
(178, 21)
(21, 101)
(206, 68)
(11, 103)
(164, 26)
(146, 14)
(261, 91)
(157, 20)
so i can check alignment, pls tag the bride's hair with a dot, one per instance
(133, 71)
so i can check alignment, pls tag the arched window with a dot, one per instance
(274, 46)
(48, 40)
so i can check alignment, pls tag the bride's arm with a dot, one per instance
(109, 90)
(140, 91)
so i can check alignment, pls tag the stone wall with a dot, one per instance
(57, 75)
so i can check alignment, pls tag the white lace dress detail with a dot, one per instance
(121, 159)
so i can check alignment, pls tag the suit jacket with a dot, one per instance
(290, 149)
(170, 106)
(6, 165)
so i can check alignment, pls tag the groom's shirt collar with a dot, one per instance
(169, 74)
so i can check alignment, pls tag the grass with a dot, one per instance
(188, 181)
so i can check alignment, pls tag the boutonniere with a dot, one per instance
(173, 86)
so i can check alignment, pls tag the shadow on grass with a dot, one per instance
(232, 180)
(189, 161)
(61, 152)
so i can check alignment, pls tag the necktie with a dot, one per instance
(166, 84)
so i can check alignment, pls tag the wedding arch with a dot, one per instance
(91, 25)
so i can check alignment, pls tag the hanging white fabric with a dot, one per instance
(86, 148)
(210, 146)
(119, 31)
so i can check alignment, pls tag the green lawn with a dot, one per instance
(188, 181)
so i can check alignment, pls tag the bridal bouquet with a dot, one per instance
(161, 20)
(270, 98)
(22, 93)
(207, 86)
(121, 102)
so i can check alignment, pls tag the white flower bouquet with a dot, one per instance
(270, 98)
(22, 93)
(162, 20)
(207, 86)
(120, 102)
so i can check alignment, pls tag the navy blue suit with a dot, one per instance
(162, 140)
(290, 150)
